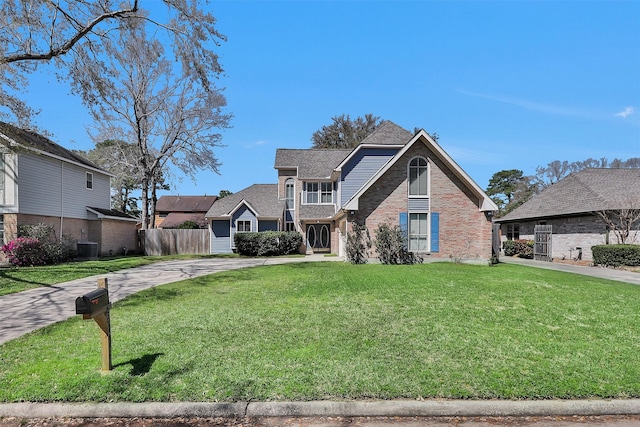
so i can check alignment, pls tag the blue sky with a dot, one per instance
(505, 84)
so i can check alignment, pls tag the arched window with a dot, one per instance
(289, 194)
(418, 177)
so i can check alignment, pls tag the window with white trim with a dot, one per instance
(1, 229)
(243, 226)
(418, 232)
(418, 177)
(289, 194)
(89, 181)
(318, 193)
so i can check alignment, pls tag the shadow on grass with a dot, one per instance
(141, 365)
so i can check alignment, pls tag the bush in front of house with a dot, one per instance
(25, 251)
(391, 246)
(37, 245)
(268, 243)
(358, 244)
(616, 255)
(522, 248)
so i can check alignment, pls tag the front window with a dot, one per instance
(2, 229)
(1, 179)
(89, 181)
(243, 226)
(418, 173)
(418, 232)
(289, 226)
(319, 192)
(289, 191)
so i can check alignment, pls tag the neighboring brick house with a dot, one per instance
(392, 177)
(568, 207)
(42, 182)
(172, 211)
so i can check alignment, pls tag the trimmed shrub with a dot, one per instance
(616, 255)
(268, 243)
(522, 248)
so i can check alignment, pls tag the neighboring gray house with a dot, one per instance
(393, 177)
(255, 208)
(42, 182)
(569, 207)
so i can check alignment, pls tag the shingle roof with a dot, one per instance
(175, 219)
(586, 191)
(312, 163)
(185, 203)
(110, 213)
(32, 140)
(388, 133)
(316, 211)
(263, 198)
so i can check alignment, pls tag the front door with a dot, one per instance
(319, 237)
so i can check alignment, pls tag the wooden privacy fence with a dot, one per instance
(174, 242)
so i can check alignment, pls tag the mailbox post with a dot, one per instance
(95, 305)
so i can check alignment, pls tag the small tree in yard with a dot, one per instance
(391, 246)
(358, 244)
(621, 222)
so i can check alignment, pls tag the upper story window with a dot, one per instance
(318, 192)
(2, 179)
(289, 192)
(89, 181)
(418, 177)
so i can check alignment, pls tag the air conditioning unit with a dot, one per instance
(87, 250)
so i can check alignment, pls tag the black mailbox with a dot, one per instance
(93, 303)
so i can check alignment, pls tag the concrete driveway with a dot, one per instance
(27, 311)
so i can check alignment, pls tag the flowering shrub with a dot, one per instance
(25, 251)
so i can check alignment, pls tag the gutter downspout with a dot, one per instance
(61, 198)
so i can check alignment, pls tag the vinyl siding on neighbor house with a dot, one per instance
(360, 168)
(220, 237)
(54, 188)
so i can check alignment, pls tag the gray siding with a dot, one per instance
(50, 187)
(220, 237)
(418, 205)
(360, 168)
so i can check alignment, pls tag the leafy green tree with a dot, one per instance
(344, 132)
(224, 193)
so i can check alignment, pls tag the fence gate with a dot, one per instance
(542, 243)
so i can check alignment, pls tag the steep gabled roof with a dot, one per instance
(261, 198)
(311, 163)
(423, 137)
(185, 203)
(388, 133)
(39, 144)
(589, 190)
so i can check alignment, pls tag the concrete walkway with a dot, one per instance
(24, 312)
(599, 272)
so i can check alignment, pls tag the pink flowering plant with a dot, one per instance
(25, 251)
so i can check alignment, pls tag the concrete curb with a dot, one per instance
(387, 408)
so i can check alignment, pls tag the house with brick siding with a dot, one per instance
(568, 208)
(43, 182)
(393, 177)
(173, 211)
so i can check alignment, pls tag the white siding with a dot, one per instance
(51, 187)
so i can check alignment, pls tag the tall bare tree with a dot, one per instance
(34, 32)
(136, 93)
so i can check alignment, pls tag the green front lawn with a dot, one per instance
(18, 279)
(338, 331)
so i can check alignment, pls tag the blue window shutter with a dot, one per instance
(435, 232)
(404, 225)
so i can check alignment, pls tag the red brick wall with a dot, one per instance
(465, 232)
